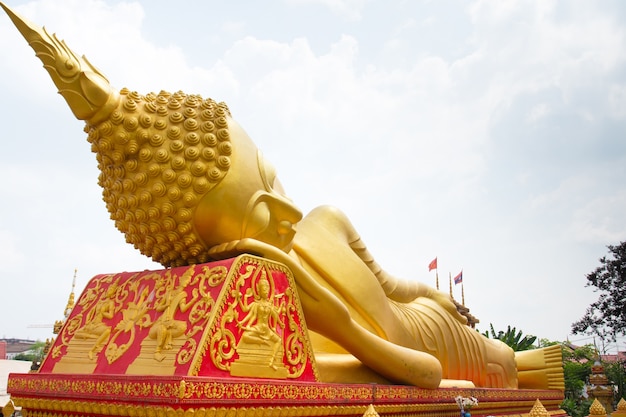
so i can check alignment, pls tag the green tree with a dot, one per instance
(575, 408)
(34, 354)
(577, 362)
(616, 373)
(512, 337)
(607, 316)
(543, 342)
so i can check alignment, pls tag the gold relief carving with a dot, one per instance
(138, 389)
(259, 333)
(201, 310)
(166, 390)
(186, 352)
(172, 338)
(83, 387)
(295, 352)
(260, 347)
(256, 342)
(109, 387)
(94, 327)
(160, 320)
(166, 328)
(32, 407)
(214, 390)
(86, 333)
(268, 391)
(132, 394)
(222, 343)
(134, 315)
(91, 329)
(215, 276)
(88, 304)
(291, 392)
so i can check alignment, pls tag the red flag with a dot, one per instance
(432, 265)
(459, 278)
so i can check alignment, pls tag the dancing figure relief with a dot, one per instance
(96, 328)
(166, 327)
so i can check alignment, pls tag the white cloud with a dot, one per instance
(11, 256)
(599, 220)
(349, 9)
(538, 112)
(617, 101)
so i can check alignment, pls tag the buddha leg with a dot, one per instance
(501, 369)
(463, 352)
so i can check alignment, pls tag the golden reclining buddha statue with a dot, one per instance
(186, 185)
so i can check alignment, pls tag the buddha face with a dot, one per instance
(249, 202)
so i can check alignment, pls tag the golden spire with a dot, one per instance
(68, 307)
(70, 300)
(85, 89)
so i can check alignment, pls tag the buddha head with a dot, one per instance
(179, 175)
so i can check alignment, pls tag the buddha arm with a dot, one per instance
(399, 290)
(326, 315)
(402, 291)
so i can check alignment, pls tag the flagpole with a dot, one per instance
(462, 293)
(433, 265)
(450, 278)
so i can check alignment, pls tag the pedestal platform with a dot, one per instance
(226, 338)
(131, 396)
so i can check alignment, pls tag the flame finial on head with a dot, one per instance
(86, 90)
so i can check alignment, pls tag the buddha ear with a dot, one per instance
(258, 216)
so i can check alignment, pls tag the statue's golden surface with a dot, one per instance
(186, 185)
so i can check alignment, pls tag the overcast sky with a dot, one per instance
(488, 134)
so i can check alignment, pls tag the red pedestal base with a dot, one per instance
(118, 395)
(226, 338)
